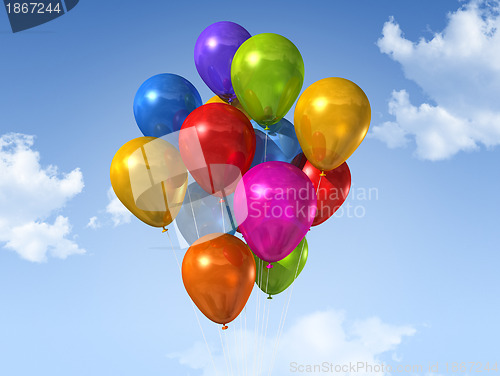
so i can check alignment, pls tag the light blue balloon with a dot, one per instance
(273, 152)
(163, 102)
(282, 143)
(209, 214)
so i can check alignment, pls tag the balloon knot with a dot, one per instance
(164, 229)
(269, 266)
(221, 201)
(267, 128)
(269, 297)
(224, 327)
(322, 173)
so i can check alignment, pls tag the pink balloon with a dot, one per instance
(274, 206)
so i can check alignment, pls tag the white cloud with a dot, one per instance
(29, 194)
(391, 133)
(93, 223)
(33, 240)
(115, 212)
(316, 338)
(438, 134)
(459, 69)
(119, 213)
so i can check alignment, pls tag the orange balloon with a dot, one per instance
(235, 103)
(218, 272)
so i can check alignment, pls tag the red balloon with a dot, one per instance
(333, 189)
(217, 145)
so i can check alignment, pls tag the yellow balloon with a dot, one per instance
(235, 103)
(331, 118)
(150, 179)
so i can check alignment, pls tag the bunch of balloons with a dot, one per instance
(253, 170)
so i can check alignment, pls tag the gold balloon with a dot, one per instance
(331, 118)
(150, 179)
(234, 103)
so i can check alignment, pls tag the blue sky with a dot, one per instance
(414, 280)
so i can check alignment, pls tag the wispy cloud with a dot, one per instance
(459, 69)
(29, 195)
(325, 336)
(118, 212)
(93, 223)
(115, 213)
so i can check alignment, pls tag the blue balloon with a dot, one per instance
(163, 102)
(208, 214)
(282, 143)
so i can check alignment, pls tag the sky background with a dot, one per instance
(414, 280)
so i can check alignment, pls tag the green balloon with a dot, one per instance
(278, 278)
(267, 74)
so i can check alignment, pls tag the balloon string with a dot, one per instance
(229, 354)
(192, 211)
(280, 329)
(257, 318)
(267, 282)
(241, 350)
(222, 213)
(259, 349)
(262, 336)
(317, 194)
(245, 338)
(265, 148)
(237, 349)
(228, 210)
(319, 184)
(256, 322)
(277, 333)
(265, 337)
(262, 346)
(224, 351)
(194, 309)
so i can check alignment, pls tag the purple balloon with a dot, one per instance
(213, 55)
(274, 206)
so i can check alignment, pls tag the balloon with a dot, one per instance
(202, 214)
(331, 118)
(217, 144)
(263, 152)
(285, 137)
(150, 179)
(234, 103)
(274, 206)
(282, 144)
(162, 103)
(267, 75)
(278, 278)
(218, 272)
(333, 187)
(213, 55)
